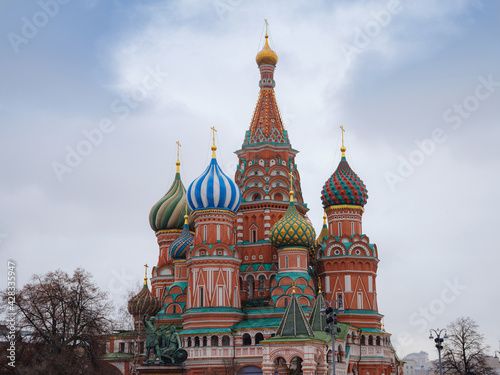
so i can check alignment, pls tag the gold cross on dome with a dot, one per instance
(213, 133)
(342, 128)
(267, 24)
(178, 148)
(146, 271)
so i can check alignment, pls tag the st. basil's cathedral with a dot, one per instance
(242, 275)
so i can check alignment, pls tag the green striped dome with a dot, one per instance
(168, 212)
(292, 230)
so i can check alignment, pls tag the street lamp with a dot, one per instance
(331, 321)
(439, 341)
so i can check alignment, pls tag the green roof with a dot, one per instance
(202, 331)
(258, 323)
(372, 330)
(317, 320)
(362, 312)
(117, 355)
(214, 309)
(294, 322)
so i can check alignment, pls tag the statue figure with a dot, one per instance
(151, 339)
(163, 338)
(171, 346)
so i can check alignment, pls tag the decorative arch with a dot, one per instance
(336, 249)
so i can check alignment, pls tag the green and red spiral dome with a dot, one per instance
(344, 187)
(144, 303)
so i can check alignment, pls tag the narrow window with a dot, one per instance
(327, 284)
(360, 300)
(370, 284)
(286, 262)
(254, 236)
(298, 260)
(174, 310)
(201, 296)
(220, 293)
(347, 283)
(204, 233)
(352, 228)
(340, 229)
(218, 232)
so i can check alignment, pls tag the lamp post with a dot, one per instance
(331, 321)
(439, 341)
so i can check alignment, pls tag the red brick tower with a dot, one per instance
(347, 261)
(265, 161)
(167, 220)
(213, 293)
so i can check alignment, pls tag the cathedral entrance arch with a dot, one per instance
(250, 370)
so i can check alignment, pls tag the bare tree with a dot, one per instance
(465, 351)
(62, 318)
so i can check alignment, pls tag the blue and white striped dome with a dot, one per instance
(213, 190)
(178, 249)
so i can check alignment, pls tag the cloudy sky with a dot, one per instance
(94, 94)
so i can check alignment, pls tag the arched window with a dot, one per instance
(189, 342)
(377, 341)
(363, 341)
(278, 197)
(204, 340)
(214, 341)
(247, 340)
(370, 340)
(258, 338)
(296, 365)
(253, 234)
(262, 282)
(241, 283)
(225, 341)
(196, 341)
(339, 354)
(251, 286)
(256, 197)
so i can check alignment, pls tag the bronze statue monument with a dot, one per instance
(167, 348)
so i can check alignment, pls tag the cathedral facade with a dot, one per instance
(243, 275)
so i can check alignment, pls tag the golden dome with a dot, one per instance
(266, 55)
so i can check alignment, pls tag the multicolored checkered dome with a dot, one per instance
(168, 212)
(178, 248)
(344, 187)
(213, 190)
(292, 230)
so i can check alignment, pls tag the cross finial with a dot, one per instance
(267, 24)
(291, 185)
(293, 286)
(177, 163)
(319, 286)
(146, 275)
(342, 148)
(213, 140)
(186, 212)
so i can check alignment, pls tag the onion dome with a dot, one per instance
(167, 213)
(144, 302)
(181, 244)
(292, 229)
(344, 187)
(213, 190)
(266, 55)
